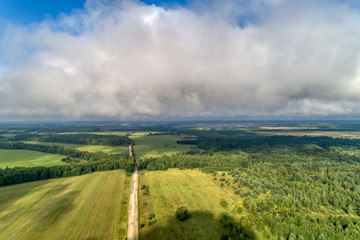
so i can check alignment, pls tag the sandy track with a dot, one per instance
(133, 206)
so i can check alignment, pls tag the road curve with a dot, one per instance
(133, 205)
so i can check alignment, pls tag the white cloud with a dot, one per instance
(129, 60)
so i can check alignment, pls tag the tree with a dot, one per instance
(223, 202)
(182, 213)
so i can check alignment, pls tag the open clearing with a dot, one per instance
(174, 188)
(84, 207)
(26, 158)
(158, 145)
(87, 148)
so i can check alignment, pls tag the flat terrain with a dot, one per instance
(159, 145)
(83, 207)
(87, 148)
(117, 133)
(174, 188)
(25, 158)
(334, 134)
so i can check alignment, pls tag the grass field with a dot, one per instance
(87, 148)
(83, 207)
(155, 146)
(190, 188)
(334, 134)
(99, 133)
(25, 158)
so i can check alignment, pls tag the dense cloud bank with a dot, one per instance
(129, 60)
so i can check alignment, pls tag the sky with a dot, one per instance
(135, 60)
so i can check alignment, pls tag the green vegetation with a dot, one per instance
(87, 139)
(26, 158)
(191, 189)
(182, 213)
(85, 162)
(158, 145)
(86, 148)
(84, 207)
(236, 181)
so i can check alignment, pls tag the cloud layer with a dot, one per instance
(129, 60)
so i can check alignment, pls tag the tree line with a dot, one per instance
(88, 139)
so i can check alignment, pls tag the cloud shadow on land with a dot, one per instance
(201, 225)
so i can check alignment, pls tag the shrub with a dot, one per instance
(151, 216)
(182, 213)
(223, 202)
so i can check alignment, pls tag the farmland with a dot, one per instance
(92, 206)
(174, 188)
(158, 145)
(87, 148)
(24, 158)
(250, 183)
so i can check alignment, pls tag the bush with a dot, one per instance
(151, 216)
(182, 213)
(223, 202)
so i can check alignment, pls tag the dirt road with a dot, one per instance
(133, 205)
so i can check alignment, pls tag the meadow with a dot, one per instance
(334, 134)
(92, 206)
(158, 145)
(25, 158)
(173, 188)
(86, 148)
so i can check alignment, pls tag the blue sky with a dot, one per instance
(26, 11)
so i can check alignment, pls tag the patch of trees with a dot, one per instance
(182, 213)
(69, 153)
(88, 139)
(151, 219)
(9, 176)
(145, 189)
(259, 143)
(236, 229)
(309, 193)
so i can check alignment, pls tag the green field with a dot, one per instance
(334, 134)
(118, 133)
(87, 148)
(83, 207)
(25, 158)
(174, 188)
(159, 145)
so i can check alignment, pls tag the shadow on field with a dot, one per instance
(200, 225)
(61, 206)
